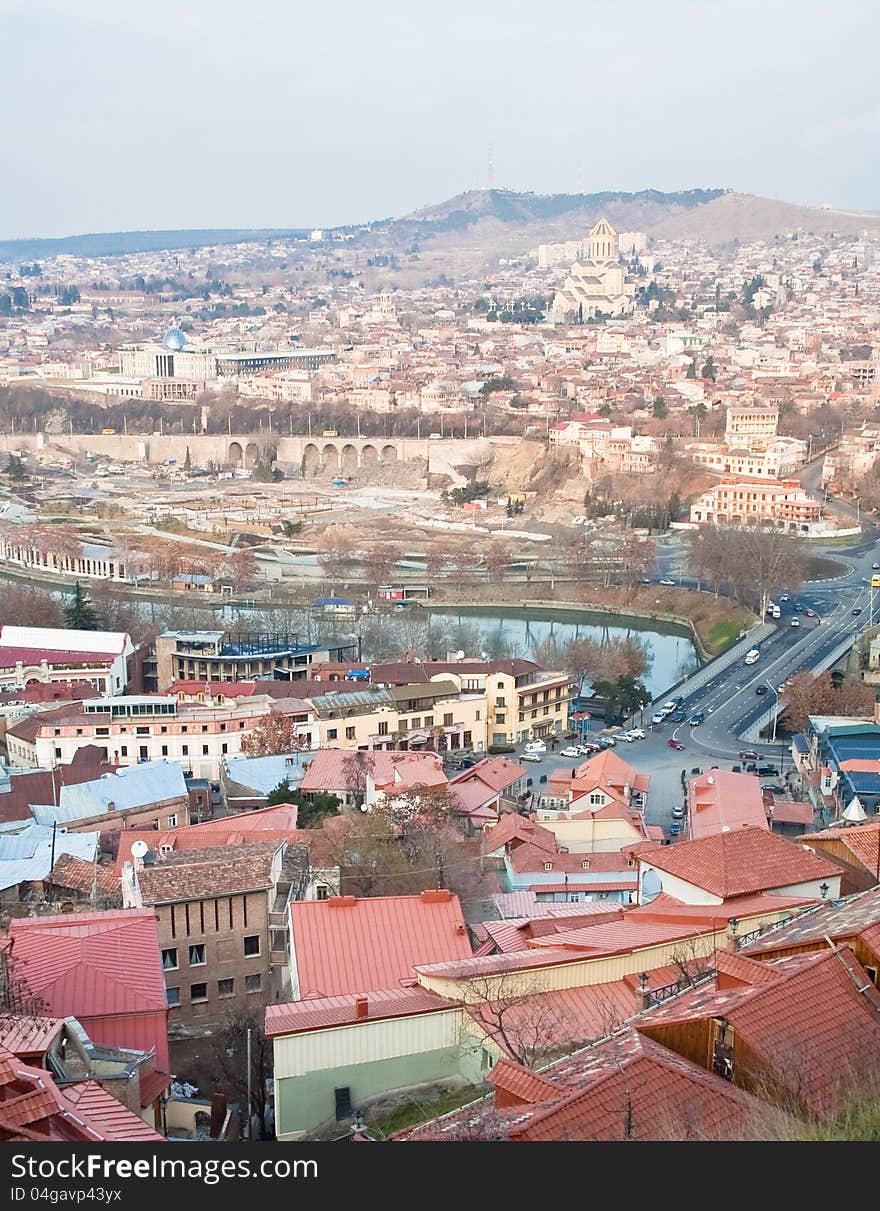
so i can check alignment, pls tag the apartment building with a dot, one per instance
(749, 424)
(223, 923)
(131, 729)
(104, 659)
(757, 502)
(215, 656)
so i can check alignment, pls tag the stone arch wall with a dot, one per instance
(235, 454)
(349, 459)
(330, 457)
(251, 454)
(311, 460)
(388, 455)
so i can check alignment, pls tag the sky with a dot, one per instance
(151, 114)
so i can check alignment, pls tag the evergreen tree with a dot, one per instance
(78, 613)
(15, 469)
(691, 371)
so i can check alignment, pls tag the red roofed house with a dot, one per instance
(625, 1087)
(720, 801)
(481, 788)
(44, 654)
(103, 968)
(346, 945)
(720, 867)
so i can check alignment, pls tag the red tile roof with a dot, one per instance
(512, 827)
(74, 874)
(325, 1013)
(862, 841)
(334, 769)
(812, 1028)
(740, 862)
(350, 945)
(624, 1087)
(197, 874)
(25, 1035)
(115, 1121)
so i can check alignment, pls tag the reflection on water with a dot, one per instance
(521, 632)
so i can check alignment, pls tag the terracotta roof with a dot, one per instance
(862, 841)
(514, 934)
(857, 915)
(351, 945)
(812, 1027)
(739, 862)
(10, 656)
(335, 769)
(113, 1120)
(196, 874)
(512, 827)
(324, 1013)
(624, 1087)
(528, 858)
(73, 874)
(151, 1085)
(721, 800)
(495, 773)
(23, 1034)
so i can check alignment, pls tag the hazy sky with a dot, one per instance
(126, 114)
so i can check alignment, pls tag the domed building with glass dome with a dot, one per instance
(174, 339)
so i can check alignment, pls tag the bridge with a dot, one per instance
(309, 456)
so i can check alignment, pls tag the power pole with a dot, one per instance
(249, 1083)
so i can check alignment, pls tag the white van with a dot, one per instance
(752, 656)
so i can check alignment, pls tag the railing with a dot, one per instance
(747, 938)
(655, 996)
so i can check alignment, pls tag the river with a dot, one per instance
(672, 649)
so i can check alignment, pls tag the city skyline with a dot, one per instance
(161, 117)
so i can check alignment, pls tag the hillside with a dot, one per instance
(745, 217)
(121, 243)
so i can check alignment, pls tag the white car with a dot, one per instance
(657, 717)
(532, 757)
(637, 733)
(536, 746)
(571, 751)
(667, 582)
(626, 737)
(795, 622)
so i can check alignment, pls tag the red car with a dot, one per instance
(676, 744)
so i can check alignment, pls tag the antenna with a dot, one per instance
(490, 174)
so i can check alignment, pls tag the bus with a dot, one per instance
(875, 582)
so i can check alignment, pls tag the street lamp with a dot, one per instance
(775, 691)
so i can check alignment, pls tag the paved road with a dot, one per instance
(730, 700)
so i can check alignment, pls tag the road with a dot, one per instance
(730, 701)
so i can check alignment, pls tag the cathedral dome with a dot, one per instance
(174, 339)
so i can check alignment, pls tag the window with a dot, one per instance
(197, 954)
(172, 996)
(204, 727)
(585, 865)
(383, 728)
(251, 946)
(253, 983)
(322, 891)
(184, 748)
(500, 718)
(224, 748)
(204, 750)
(447, 720)
(58, 752)
(123, 750)
(164, 750)
(349, 733)
(332, 733)
(597, 798)
(548, 866)
(102, 731)
(225, 988)
(198, 993)
(169, 959)
(172, 821)
(416, 723)
(429, 721)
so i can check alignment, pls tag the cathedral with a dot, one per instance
(598, 285)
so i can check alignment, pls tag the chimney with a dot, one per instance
(361, 1008)
(111, 806)
(436, 895)
(643, 994)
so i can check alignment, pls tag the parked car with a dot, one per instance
(570, 751)
(678, 716)
(657, 717)
(637, 733)
(536, 746)
(795, 622)
(587, 750)
(746, 754)
(751, 768)
(607, 741)
(697, 719)
(532, 757)
(670, 705)
(766, 771)
(752, 656)
(773, 787)
(736, 769)
(666, 581)
(783, 596)
(857, 610)
(676, 744)
(626, 737)
(646, 580)
(761, 690)
(875, 566)
(678, 812)
(675, 827)
(808, 613)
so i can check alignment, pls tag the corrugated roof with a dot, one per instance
(115, 1121)
(130, 787)
(323, 1013)
(350, 945)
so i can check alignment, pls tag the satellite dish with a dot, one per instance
(139, 849)
(459, 655)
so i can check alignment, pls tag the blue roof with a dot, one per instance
(325, 601)
(262, 774)
(129, 787)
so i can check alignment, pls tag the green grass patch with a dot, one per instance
(722, 633)
(411, 1113)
